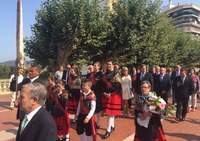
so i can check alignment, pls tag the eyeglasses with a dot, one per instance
(144, 87)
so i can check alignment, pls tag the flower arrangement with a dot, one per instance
(158, 106)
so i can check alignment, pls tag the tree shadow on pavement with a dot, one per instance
(4, 104)
(187, 137)
(11, 123)
(190, 120)
(14, 131)
(171, 119)
(194, 121)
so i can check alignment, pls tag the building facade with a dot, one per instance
(186, 17)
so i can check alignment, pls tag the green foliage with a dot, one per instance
(6, 71)
(44, 75)
(84, 31)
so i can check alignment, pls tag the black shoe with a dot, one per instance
(107, 134)
(97, 126)
(112, 129)
(183, 119)
(67, 139)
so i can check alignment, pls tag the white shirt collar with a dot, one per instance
(85, 94)
(31, 114)
(33, 79)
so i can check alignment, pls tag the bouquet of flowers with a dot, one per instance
(157, 105)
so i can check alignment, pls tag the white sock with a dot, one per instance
(67, 136)
(82, 137)
(110, 122)
(89, 138)
(113, 121)
(98, 118)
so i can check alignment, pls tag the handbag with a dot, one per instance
(132, 95)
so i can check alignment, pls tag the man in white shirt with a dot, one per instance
(13, 91)
(37, 124)
(59, 73)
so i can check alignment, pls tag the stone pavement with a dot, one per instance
(188, 130)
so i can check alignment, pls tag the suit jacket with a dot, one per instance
(163, 85)
(183, 90)
(147, 77)
(65, 72)
(21, 113)
(27, 80)
(40, 128)
(173, 79)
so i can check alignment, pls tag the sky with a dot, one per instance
(8, 23)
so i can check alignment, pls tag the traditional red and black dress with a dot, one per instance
(50, 99)
(153, 131)
(74, 83)
(112, 85)
(60, 114)
(86, 108)
(96, 79)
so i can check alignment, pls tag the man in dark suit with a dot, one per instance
(182, 92)
(66, 75)
(174, 75)
(163, 84)
(32, 77)
(37, 124)
(155, 76)
(143, 76)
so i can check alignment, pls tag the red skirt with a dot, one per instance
(62, 123)
(160, 136)
(72, 106)
(113, 104)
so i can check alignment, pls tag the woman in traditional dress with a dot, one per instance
(50, 87)
(60, 113)
(111, 99)
(148, 124)
(96, 78)
(74, 84)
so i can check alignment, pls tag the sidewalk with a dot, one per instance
(188, 130)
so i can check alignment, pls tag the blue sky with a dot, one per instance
(8, 23)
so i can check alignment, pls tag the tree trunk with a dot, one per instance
(64, 52)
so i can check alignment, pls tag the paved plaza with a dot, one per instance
(188, 130)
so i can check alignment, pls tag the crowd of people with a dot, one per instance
(99, 93)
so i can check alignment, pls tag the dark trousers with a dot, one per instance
(83, 127)
(181, 109)
(173, 97)
(165, 97)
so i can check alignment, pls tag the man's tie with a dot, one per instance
(24, 121)
(161, 78)
(142, 76)
(183, 80)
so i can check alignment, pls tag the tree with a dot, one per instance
(84, 31)
(56, 33)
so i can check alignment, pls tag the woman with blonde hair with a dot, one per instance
(126, 90)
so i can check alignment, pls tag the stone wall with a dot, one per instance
(4, 86)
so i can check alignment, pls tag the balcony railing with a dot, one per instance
(4, 86)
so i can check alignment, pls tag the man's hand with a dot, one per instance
(86, 120)
(143, 116)
(163, 92)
